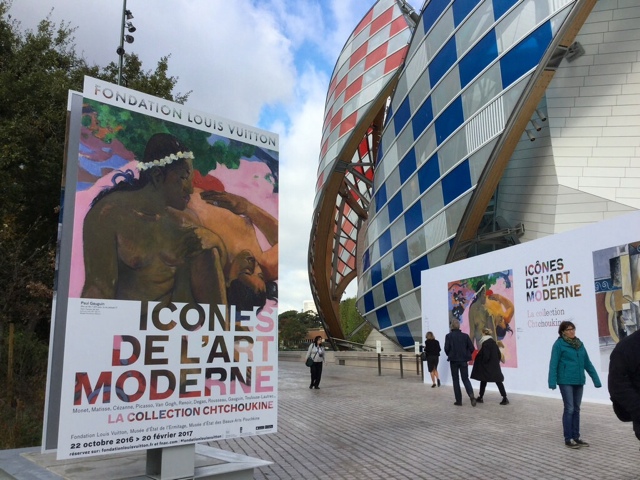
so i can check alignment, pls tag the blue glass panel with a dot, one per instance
(381, 197)
(428, 173)
(461, 9)
(456, 182)
(384, 321)
(390, 289)
(526, 55)
(501, 6)
(422, 118)
(400, 255)
(403, 334)
(407, 166)
(412, 219)
(416, 270)
(368, 302)
(389, 116)
(432, 12)
(485, 51)
(449, 120)
(442, 61)
(376, 274)
(402, 116)
(366, 260)
(395, 208)
(385, 242)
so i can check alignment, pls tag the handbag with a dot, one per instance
(423, 356)
(310, 361)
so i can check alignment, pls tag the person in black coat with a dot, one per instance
(432, 351)
(458, 347)
(486, 366)
(624, 380)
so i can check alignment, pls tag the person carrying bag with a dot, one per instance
(315, 360)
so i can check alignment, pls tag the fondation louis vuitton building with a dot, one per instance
(459, 127)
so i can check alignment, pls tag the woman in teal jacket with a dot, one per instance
(569, 360)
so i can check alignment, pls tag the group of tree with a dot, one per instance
(293, 325)
(37, 69)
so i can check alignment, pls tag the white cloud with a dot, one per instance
(239, 58)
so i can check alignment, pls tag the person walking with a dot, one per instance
(624, 380)
(432, 351)
(569, 360)
(316, 353)
(458, 347)
(486, 366)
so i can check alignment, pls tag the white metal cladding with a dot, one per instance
(486, 124)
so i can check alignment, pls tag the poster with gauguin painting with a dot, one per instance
(486, 301)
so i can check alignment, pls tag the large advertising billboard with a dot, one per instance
(589, 276)
(170, 329)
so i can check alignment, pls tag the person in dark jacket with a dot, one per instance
(486, 366)
(432, 351)
(569, 360)
(624, 380)
(458, 347)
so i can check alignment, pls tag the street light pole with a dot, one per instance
(120, 50)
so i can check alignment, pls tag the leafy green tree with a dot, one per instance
(350, 320)
(37, 69)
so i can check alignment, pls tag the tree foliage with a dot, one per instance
(37, 69)
(293, 327)
(350, 320)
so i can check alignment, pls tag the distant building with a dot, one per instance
(309, 305)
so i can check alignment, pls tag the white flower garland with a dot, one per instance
(163, 162)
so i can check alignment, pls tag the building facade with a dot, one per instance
(507, 121)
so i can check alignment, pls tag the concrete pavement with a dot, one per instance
(363, 426)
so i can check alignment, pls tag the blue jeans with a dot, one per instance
(571, 397)
(460, 369)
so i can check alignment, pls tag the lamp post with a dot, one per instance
(126, 17)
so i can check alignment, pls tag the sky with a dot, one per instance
(266, 63)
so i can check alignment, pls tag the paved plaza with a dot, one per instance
(363, 426)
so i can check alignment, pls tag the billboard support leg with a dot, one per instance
(171, 463)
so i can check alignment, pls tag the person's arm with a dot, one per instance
(588, 366)
(553, 366)
(100, 256)
(267, 224)
(447, 345)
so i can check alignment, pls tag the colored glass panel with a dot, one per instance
(381, 197)
(449, 120)
(442, 61)
(456, 182)
(431, 13)
(402, 116)
(384, 321)
(428, 173)
(390, 288)
(385, 242)
(407, 166)
(404, 336)
(461, 9)
(526, 55)
(413, 218)
(416, 270)
(395, 207)
(400, 256)
(422, 118)
(479, 57)
(501, 6)
(376, 274)
(368, 301)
